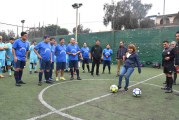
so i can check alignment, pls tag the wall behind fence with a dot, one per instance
(148, 41)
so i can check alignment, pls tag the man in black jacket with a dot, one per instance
(96, 53)
(121, 52)
(168, 56)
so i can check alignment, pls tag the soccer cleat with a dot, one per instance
(126, 89)
(97, 74)
(72, 78)
(119, 87)
(57, 79)
(49, 82)
(36, 72)
(62, 78)
(18, 85)
(21, 82)
(40, 84)
(78, 78)
(30, 72)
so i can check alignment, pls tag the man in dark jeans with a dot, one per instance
(121, 52)
(96, 53)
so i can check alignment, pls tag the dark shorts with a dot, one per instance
(106, 62)
(45, 65)
(85, 60)
(19, 64)
(60, 65)
(52, 65)
(73, 64)
(168, 70)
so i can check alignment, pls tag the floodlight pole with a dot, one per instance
(22, 21)
(76, 6)
(164, 20)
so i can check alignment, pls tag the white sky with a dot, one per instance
(47, 11)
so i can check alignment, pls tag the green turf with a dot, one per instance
(18, 103)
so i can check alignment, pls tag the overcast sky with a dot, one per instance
(47, 11)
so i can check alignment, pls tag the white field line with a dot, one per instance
(53, 110)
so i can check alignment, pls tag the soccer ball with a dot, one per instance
(137, 92)
(113, 88)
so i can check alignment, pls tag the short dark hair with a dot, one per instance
(52, 38)
(107, 44)
(61, 39)
(177, 32)
(46, 36)
(33, 41)
(11, 39)
(97, 40)
(23, 33)
(165, 41)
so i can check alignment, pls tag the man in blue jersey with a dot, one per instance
(107, 52)
(73, 50)
(43, 51)
(33, 58)
(9, 55)
(20, 51)
(60, 52)
(52, 43)
(85, 51)
(3, 47)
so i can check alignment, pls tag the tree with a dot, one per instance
(51, 30)
(4, 36)
(147, 23)
(81, 30)
(126, 13)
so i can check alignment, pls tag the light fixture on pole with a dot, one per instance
(22, 21)
(76, 6)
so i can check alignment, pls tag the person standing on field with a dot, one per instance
(121, 52)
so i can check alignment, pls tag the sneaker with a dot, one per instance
(40, 84)
(72, 78)
(78, 78)
(21, 82)
(49, 82)
(50, 79)
(119, 87)
(57, 79)
(18, 85)
(169, 91)
(30, 72)
(126, 89)
(36, 72)
(62, 78)
(83, 71)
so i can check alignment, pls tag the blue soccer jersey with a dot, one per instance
(21, 47)
(53, 52)
(9, 52)
(32, 53)
(44, 49)
(73, 49)
(85, 52)
(107, 54)
(60, 52)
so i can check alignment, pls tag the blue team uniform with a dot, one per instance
(44, 50)
(85, 52)
(21, 47)
(33, 56)
(2, 55)
(73, 60)
(9, 53)
(107, 54)
(60, 52)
